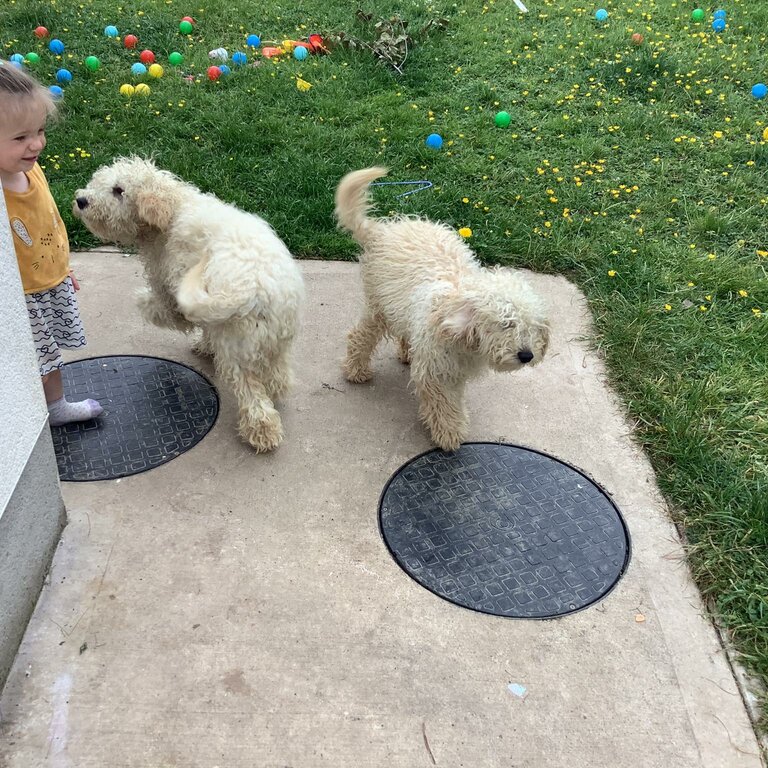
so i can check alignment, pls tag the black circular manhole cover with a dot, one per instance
(504, 530)
(154, 410)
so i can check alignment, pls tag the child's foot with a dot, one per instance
(61, 412)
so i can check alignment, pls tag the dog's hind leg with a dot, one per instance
(260, 423)
(361, 343)
(441, 408)
(202, 345)
(404, 351)
(279, 377)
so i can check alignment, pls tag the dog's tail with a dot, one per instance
(199, 306)
(352, 203)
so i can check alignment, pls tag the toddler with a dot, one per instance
(42, 248)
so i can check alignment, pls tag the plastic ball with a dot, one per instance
(637, 39)
(185, 27)
(127, 90)
(765, 134)
(434, 141)
(300, 53)
(142, 89)
(56, 91)
(146, 57)
(18, 64)
(697, 14)
(32, 57)
(760, 90)
(214, 73)
(189, 19)
(225, 70)
(56, 46)
(41, 32)
(253, 41)
(130, 41)
(155, 70)
(17, 58)
(110, 31)
(175, 59)
(138, 69)
(720, 14)
(718, 25)
(601, 14)
(502, 119)
(239, 58)
(92, 63)
(63, 76)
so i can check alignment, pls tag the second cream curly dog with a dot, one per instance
(452, 317)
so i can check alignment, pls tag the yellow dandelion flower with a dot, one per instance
(465, 232)
(611, 273)
(743, 293)
(303, 85)
(667, 307)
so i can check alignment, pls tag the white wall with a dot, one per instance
(21, 391)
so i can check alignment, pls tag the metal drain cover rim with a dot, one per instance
(169, 457)
(607, 496)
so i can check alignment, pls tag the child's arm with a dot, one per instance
(75, 284)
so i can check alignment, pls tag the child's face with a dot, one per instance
(22, 139)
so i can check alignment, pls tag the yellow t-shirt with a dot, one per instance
(42, 246)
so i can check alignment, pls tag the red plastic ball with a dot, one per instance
(214, 73)
(637, 38)
(189, 19)
(41, 32)
(130, 41)
(147, 57)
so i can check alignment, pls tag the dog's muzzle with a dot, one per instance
(525, 356)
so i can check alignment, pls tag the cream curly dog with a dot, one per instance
(208, 266)
(424, 287)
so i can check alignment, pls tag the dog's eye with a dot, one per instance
(117, 191)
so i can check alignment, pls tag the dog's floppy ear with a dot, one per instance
(155, 208)
(457, 321)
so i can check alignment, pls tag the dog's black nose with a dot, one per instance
(81, 203)
(525, 355)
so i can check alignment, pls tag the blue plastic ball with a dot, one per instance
(138, 69)
(17, 64)
(601, 14)
(17, 57)
(110, 31)
(300, 53)
(718, 25)
(720, 14)
(253, 41)
(434, 141)
(760, 90)
(239, 58)
(225, 70)
(56, 91)
(56, 46)
(63, 76)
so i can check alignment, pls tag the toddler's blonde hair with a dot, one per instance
(20, 92)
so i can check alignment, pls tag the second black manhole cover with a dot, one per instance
(504, 530)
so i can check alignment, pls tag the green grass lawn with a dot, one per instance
(637, 171)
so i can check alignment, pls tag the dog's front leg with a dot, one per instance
(157, 308)
(441, 408)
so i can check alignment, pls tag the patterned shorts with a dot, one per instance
(55, 321)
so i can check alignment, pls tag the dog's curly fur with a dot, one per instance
(210, 266)
(452, 317)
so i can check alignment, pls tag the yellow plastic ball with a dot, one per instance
(765, 134)
(142, 89)
(155, 70)
(127, 90)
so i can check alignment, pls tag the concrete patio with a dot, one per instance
(232, 610)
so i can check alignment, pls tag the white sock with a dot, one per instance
(61, 412)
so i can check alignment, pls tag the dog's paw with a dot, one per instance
(357, 374)
(264, 435)
(447, 441)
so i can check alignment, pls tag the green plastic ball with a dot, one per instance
(175, 58)
(697, 14)
(185, 27)
(503, 119)
(32, 58)
(92, 63)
